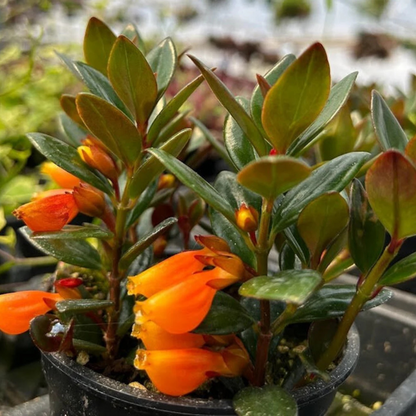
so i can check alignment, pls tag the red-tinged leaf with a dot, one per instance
(68, 105)
(111, 126)
(297, 98)
(132, 79)
(98, 42)
(391, 188)
(270, 176)
(410, 149)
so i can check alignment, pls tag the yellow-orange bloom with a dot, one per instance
(247, 218)
(63, 178)
(48, 214)
(156, 338)
(178, 372)
(19, 308)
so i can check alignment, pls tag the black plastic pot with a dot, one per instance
(78, 391)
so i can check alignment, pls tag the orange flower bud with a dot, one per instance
(247, 218)
(156, 338)
(48, 214)
(63, 178)
(178, 372)
(96, 157)
(166, 180)
(19, 308)
(236, 358)
(167, 273)
(213, 243)
(89, 200)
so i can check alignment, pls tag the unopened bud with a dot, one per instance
(89, 200)
(166, 180)
(96, 157)
(247, 218)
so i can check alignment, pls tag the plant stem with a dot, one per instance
(362, 295)
(265, 335)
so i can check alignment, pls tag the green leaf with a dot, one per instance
(389, 132)
(321, 221)
(81, 306)
(73, 132)
(391, 189)
(291, 286)
(337, 98)
(335, 175)
(152, 167)
(226, 316)
(257, 100)
(68, 105)
(295, 241)
(365, 231)
(163, 61)
(66, 157)
(236, 141)
(233, 107)
(271, 176)
(74, 232)
(98, 42)
(131, 32)
(264, 401)
(400, 272)
(96, 82)
(77, 252)
(332, 301)
(169, 111)
(111, 126)
(142, 204)
(297, 98)
(132, 78)
(145, 242)
(90, 347)
(193, 181)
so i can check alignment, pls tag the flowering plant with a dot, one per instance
(222, 309)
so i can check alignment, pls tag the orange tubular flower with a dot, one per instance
(48, 214)
(156, 338)
(63, 178)
(182, 307)
(178, 372)
(19, 308)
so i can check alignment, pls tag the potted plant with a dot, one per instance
(217, 319)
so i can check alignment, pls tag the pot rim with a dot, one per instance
(110, 389)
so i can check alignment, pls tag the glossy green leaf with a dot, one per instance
(233, 107)
(193, 181)
(163, 61)
(400, 272)
(236, 142)
(152, 167)
(111, 126)
(226, 316)
(334, 175)
(320, 335)
(142, 204)
(98, 42)
(78, 306)
(339, 136)
(321, 221)
(73, 132)
(391, 189)
(171, 108)
(68, 105)
(77, 252)
(365, 231)
(337, 98)
(335, 247)
(297, 98)
(74, 232)
(295, 241)
(176, 124)
(67, 157)
(288, 259)
(131, 32)
(257, 100)
(96, 82)
(132, 78)
(389, 132)
(331, 301)
(291, 286)
(271, 176)
(145, 241)
(264, 401)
